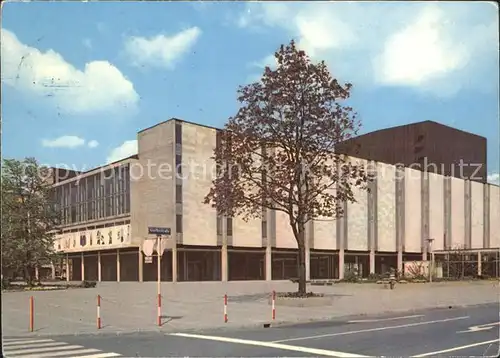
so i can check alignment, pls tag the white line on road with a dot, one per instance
(384, 319)
(35, 345)
(41, 350)
(481, 327)
(370, 330)
(315, 351)
(24, 342)
(457, 348)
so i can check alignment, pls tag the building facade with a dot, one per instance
(107, 212)
(437, 148)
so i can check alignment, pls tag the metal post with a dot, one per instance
(158, 240)
(431, 265)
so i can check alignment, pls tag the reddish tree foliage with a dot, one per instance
(277, 152)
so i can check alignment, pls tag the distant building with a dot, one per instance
(424, 145)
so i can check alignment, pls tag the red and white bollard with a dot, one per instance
(159, 310)
(225, 309)
(98, 311)
(273, 305)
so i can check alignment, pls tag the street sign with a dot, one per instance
(481, 327)
(152, 230)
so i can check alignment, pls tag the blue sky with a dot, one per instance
(80, 79)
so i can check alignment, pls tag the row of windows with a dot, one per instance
(99, 196)
(96, 209)
(99, 185)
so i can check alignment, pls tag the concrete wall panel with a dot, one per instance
(325, 229)
(247, 233)
(357, 217)
(284, 233)
(152, 186)
(386, 207)
(436, 210)
(457, 213)
(477, 210)
(494, 216)
(199, 220)
(412, 210)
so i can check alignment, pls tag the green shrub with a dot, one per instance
(351, 276)
(88, 284)
(5, 283)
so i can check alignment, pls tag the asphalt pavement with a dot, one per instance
(461, 331)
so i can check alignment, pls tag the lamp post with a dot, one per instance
(431, 265)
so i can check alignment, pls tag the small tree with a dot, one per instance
(278, 151)
(28, 217)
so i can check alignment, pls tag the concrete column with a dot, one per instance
(400, 261)
(479, 264)
(117, 265)
(308, 263)
(269, 264)
(67, 267)
(141, 266)
(223, 256)
(185, 268)
(83, 266)
(99, 267)
(424, 255)
(271, 241)
(174, 263)
(341, 264)
(372, 261)
(224, 264)
(52, 270)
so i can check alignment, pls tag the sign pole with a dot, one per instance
(159, 231)
(158, 251)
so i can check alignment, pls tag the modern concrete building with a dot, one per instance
(107, 212)
(438, 148)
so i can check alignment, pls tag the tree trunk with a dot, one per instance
(27, 275)
(302, 270)
(302, 260)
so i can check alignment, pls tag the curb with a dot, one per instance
(165, 329)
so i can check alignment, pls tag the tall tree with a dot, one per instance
(28, 217)
(278, 151)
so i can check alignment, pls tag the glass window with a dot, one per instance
(178, 223)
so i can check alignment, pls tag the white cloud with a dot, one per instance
(126, 149)
(67, 141)
(93, 143)
(494, 178)
(161, 50)
(100, 86)
(438, 48)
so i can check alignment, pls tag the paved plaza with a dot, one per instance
(131, 307)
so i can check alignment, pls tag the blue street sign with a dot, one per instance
(158, 230)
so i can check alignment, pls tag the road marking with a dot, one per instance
(457, 348)
(384, 319)
(41, 350)
(33, 345)
(371, 329)
(83, 351)
(481, 327)
(18, 343)
(315, 351)
(48, 348)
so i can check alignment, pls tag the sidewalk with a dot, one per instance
(128, 307)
